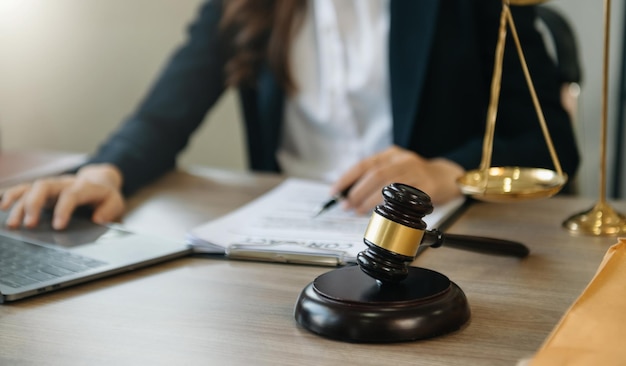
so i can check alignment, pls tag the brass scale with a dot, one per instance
(514, 184)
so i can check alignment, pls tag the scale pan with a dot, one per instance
(511, 184)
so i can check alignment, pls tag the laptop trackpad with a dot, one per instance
(80, 231)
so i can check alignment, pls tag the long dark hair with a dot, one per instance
(258, 30)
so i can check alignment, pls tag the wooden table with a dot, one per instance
(17, 166)
(211, 311)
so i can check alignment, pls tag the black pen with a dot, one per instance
(333, 201)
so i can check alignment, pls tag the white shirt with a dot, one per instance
(341, 113)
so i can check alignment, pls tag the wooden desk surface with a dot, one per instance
(17, 166)
(210, 311)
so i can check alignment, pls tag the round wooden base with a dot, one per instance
(346, 304)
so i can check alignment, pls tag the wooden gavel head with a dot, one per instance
(394, 233)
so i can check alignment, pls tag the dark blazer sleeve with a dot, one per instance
(146, 145)
(452, 114)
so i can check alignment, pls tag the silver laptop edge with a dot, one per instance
(119, 249)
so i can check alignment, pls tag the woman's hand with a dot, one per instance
(95, 185)
(437, 177)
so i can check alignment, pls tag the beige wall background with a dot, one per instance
(72, 70)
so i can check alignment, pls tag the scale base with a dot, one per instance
(347, 305)
(600, 220)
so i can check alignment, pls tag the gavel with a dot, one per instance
(396, 231)
(384, 299)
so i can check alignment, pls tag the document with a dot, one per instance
(281, 226)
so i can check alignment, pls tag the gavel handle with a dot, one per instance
(486, 245)
(479, 244)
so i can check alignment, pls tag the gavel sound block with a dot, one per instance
(384, 299)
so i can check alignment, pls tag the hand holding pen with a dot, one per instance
(333, 201)
(437, 176)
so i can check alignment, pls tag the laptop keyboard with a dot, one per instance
(23, 264)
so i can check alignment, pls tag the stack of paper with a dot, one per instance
(281, 226)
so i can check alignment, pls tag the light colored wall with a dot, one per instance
(71, 70)
(587, 19)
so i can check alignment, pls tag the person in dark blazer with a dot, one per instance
(436, 70)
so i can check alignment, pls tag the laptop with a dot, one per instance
(42, 260)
